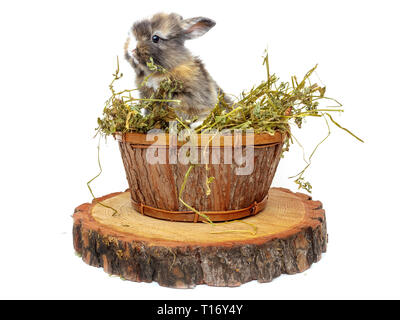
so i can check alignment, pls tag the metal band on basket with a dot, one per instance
(191, 216)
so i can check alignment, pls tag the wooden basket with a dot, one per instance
(155, 188)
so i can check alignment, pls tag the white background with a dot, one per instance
(57, 58)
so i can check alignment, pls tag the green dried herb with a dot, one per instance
(272, 106)
(275, 106)
(123, 113)
(98, 175)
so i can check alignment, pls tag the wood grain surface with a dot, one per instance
(290, 235)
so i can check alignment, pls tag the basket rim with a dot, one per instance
(164, 139)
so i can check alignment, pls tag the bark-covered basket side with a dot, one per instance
(158, 185)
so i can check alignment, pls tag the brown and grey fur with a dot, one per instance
(200, 91)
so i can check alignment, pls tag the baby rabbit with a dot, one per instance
(162, 38)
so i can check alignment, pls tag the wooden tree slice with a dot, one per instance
(291, 235)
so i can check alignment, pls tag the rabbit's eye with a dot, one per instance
(155, 38)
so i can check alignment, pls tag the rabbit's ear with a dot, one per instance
(196, 27)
